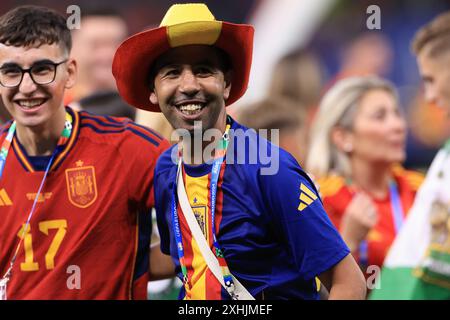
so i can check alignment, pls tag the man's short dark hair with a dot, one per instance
(34, 26)
(224, 59)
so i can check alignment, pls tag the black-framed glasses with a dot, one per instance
(42, 72)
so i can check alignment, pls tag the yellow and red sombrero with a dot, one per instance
(183, 24)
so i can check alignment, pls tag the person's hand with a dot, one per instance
(359, 217)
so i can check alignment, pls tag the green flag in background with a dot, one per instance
(418, 263)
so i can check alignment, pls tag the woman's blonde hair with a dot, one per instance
(337, 109)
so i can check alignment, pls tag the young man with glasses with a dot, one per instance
(75, 197)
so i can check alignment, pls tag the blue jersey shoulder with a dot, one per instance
(262, 157)
(166, 161)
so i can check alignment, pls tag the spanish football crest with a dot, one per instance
(81, 185)
(200, 215)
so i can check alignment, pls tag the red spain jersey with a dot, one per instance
(89, 236)
(337, 195)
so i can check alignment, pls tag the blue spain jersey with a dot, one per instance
(270, 221)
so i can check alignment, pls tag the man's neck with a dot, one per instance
(196, 150)
(42, 140)
(372, 177)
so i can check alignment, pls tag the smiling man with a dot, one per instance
(190, 63)
(75, 198)
(233, 231)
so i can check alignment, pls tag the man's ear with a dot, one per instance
(227, 78)
(342, 138)
(71, 73)
(153, 97)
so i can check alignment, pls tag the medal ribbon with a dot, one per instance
(215, 172)
(397, 215)
(6, 146)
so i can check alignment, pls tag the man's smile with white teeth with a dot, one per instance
(190, 108)
(30, 103)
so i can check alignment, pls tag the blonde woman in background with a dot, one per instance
(357, 145)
